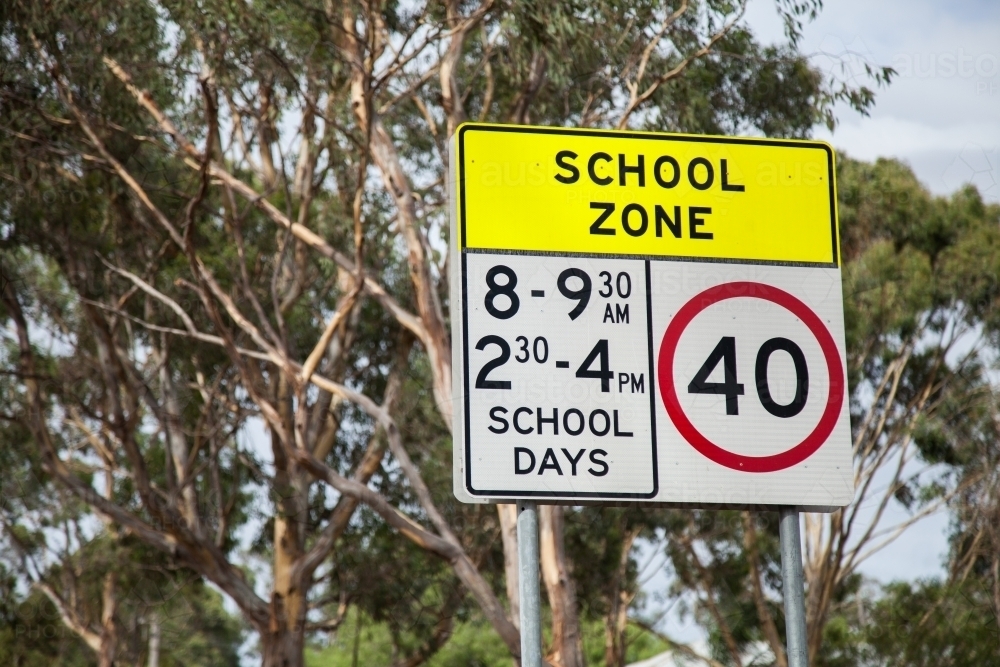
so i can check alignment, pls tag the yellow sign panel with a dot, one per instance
(642, 194)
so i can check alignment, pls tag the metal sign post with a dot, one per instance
(794, 588)
(527, 561)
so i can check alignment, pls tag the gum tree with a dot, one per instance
(220, 216)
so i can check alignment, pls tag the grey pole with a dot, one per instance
(794, 588)
(527, 557)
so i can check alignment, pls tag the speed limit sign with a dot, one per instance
(646, 317)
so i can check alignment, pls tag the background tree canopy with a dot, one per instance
(225, 366)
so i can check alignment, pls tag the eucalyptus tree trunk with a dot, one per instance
(109, 630)
(283, 649)
(567, 645)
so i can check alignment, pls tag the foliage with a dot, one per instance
(472, 644)
(225, 352)
(194, 628)
(931, 623)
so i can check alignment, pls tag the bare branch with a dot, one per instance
(636, 100)
(300, 231)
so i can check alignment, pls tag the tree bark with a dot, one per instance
(436, 339)
(996, 592)
(508, 532)
(536, 77)
(177, 441)
(766, 619)
(617, 619)
(154, 641)
(283, 649)
(109, 631)
(567, 647)
(451, 96)
(287, 603)
(286, 629)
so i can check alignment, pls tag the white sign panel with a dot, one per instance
(560, 372)
(631, 345)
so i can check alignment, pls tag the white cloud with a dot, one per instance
(941, 112)
(890, 136)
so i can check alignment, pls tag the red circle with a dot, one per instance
(668, 392)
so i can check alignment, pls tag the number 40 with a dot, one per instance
(725, 352)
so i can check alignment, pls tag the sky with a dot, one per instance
(941, 113)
